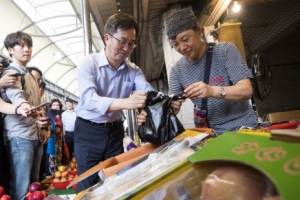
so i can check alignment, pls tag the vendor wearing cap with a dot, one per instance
(229, 87)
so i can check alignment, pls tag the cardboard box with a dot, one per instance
(107, 172)
(287, 135)
(279, 117)
(121, 161)
(277, 160)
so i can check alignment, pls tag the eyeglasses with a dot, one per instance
(124, 43)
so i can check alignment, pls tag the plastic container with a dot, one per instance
(61, 185)
(74, 173)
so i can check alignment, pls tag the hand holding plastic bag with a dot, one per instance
(161, 123)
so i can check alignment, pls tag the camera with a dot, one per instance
(42, 84)
(5, 62)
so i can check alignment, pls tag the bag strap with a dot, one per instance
(209, 55)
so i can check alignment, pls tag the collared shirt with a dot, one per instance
(68, 117)
(18, 125)
(99, 84)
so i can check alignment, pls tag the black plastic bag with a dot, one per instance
(161, 123)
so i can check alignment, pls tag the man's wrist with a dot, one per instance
(16, 110)
(22, 104)
(1, 84)
(25, 102)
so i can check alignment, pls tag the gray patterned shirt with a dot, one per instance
(227, 68)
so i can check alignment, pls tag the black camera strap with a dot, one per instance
(209, 55)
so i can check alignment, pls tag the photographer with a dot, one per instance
(38, 74)
(22, 137)
(8, 80)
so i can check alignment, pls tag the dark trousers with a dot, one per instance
(94, 143)
(43, 166)
(1, 151)
(69, 139)
(5, 175)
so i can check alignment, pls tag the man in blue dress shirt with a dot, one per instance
(106, 80)
(68, 118)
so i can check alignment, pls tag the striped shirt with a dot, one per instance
(227, 68)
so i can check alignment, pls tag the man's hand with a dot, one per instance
(141, 118)
(41, 119)
(176, 105)
(136, 100)
(8, 80)
(44, 136)
(199, 90)
(25, 106)
(22, 111)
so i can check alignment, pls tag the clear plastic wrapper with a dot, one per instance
(158, 162)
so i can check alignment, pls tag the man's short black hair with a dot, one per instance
(120, 21)
(30, 69)
(69, 100)
(16, 38)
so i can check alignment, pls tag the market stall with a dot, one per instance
(169, 175)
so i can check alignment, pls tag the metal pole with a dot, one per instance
(129, 123)
(86, 27)
(132, 126)
(136, 136)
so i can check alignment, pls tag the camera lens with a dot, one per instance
(42, 84)
(5, 62)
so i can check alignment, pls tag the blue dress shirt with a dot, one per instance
(99, 84)
(68, 118)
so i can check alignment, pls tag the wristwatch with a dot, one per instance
(223, 92)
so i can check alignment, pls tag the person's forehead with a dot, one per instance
(36, 74)
(21, 41)
(125, 33)
(182, 35)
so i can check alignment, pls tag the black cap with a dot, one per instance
(180, 21)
